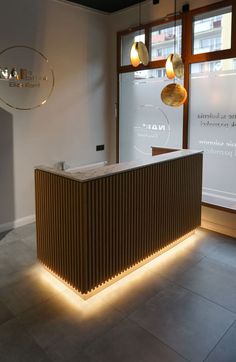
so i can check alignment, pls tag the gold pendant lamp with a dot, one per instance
(174, 94)
(139, 53)
(174, 66)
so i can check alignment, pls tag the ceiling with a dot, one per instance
(108, 6)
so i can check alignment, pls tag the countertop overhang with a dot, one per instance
(109, 170)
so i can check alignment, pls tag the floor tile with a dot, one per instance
(225, 252)
(15, 276)
(27, 292)
(177, 263)
(26, 230)
(16, 345)
(9, 278)
(15, 256)
(64, 354)
(62, 326)
(184, 321)
(225, 351)
(128, 342)
(129, 296)
(30, 241)
(151, 318)
(212, 280)
(5, 313)
(206, 242)
(8, 237)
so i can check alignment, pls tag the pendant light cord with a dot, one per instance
(175, 38)
(175, 30)
(139, 16)
(139, 12)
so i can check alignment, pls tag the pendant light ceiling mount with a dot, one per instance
(174, 94)
(139, 53)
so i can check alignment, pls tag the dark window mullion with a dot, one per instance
(233, 28)
(187, 31)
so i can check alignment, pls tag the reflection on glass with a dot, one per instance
(212, 31)
(163, 38)
(213, 128)
(144, 120)
(126, 44)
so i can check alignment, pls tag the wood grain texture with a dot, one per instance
(160, 150)
(89, 232)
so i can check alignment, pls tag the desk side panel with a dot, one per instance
(61, 224)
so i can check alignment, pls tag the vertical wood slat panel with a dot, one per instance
(88, 232)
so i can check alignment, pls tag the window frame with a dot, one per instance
(189, 58)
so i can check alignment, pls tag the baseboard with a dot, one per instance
(17, 223)
(222, 229)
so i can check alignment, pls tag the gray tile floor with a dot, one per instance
(182, 308)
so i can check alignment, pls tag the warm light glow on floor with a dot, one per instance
(97, 301)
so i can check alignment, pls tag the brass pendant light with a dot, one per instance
(174, 66)
(174, 63)
(174, 94)
(139, 53)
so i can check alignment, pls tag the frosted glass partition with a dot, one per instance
(212, 31)
(163, 39)
(144, 120)
(126, 44)
(213, 128)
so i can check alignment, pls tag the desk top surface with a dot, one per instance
(88, 174)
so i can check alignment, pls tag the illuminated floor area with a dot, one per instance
(180, 307)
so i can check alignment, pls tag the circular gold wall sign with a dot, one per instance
(26, 78)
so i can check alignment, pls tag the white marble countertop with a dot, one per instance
(108, 170)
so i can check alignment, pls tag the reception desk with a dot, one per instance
(95, 224)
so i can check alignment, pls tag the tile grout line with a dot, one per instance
(127, 316)
(159, 340)
(220, 262)
(209, 300)
(28, 334)
(5, 243)
(8, 320)
(220, 339)
(187, 269)
(82, 349)
(198, 294)
(57, 293)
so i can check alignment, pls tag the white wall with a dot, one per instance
(212, 219)
(74, 120)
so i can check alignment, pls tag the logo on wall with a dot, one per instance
(152, 127)
(26, 78)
